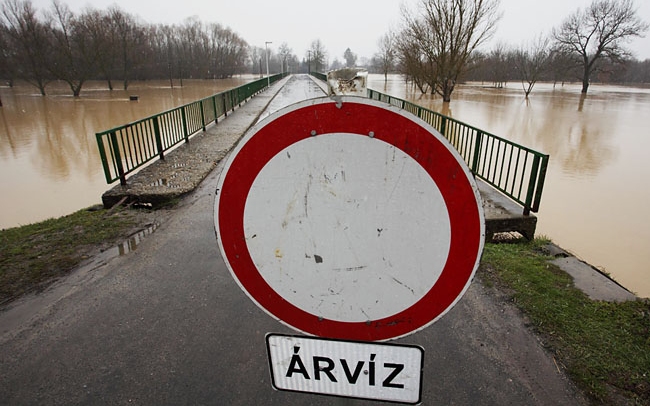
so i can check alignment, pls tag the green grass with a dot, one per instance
(33, 256)
(604, 346)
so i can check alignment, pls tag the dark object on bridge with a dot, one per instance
(347, 81)
(134, 97)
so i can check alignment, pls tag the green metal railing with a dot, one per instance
(514, 170)
(126, 148)
(320, 76)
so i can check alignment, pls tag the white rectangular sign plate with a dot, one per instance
(365, 370)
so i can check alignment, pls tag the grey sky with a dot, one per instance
(340, 24)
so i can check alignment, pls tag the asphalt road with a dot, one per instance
(166, 324)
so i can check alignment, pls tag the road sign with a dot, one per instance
(349, 219)
(387, 372)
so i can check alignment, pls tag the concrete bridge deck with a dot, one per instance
(184, 168)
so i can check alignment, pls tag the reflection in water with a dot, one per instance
(131, 244)
(49, 162)
(597, 183)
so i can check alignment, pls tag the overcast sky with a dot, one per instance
(340, 24)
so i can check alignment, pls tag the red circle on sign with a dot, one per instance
(363, 117)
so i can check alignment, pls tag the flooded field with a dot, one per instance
(597, 183)
(594, 198)
(49, 162)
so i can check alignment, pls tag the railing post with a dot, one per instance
(118, 158)
(202, 114)
(443, 126)
(183, 116)
(214, 108)
(477, 151)
(225, 109)
(531, 185)
(104, 158)
(159, 145)
(540, 183)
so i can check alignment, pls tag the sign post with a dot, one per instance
(349, 219)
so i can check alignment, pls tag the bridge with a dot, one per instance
(187, 142)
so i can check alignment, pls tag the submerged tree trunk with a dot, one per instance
(585, 83)
(41, 87)
(75, 86)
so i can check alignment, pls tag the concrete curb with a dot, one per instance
(588, 278)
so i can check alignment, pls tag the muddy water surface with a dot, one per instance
(49, 162)
(598, 183)
(595, 197)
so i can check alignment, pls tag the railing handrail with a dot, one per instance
(477, 149)
(125, 148)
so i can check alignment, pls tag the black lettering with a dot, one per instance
(388, 382)
(371, 368)
(352, 377)
(326, 369)
(296, 365)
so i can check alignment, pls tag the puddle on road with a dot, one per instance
(131, 244)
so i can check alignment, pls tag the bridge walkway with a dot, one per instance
(185, 167)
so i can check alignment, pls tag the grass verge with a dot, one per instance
(605, 347)
(33, 256)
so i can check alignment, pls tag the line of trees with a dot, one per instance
(438, 46)
(113, 45)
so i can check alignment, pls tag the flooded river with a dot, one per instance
(597, 185)
(49, 162)
(593, 202)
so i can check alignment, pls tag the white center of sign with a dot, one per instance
(347, 227)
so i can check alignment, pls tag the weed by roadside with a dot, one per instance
(605, 347)
(33, 256)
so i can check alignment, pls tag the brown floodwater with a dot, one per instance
(49, 161)
(594, 197)
(598, 181)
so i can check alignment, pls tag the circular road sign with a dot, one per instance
(349, 219)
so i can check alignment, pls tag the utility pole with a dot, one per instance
(268, 79)
(309, 61)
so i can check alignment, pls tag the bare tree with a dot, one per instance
(29, 40)
(128, 36)
(256, 57)
(285, 54)
(532, 61)
(229, 49)
(350, 58)
(446, 32)
(599, 32)
(499, 62)
(317, 56)
(7, 59)
(386, 55)
(76, 44)
(413, 64)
